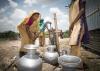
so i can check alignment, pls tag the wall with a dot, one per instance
(93, 14)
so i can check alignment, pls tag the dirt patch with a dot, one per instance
(9, 49)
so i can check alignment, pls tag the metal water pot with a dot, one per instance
(69, 62)
(50, 55)
(31, 61)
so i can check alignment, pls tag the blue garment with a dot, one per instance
(42, 25)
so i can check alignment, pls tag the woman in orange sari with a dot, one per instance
(28, 30)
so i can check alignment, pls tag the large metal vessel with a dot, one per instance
(31, 61)
(69, 62)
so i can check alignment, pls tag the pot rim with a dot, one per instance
(31, 46)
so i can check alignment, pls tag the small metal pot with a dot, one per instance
(31, 61)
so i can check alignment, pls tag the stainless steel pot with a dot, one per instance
(51, 56)
(31, 61)
(69, 62)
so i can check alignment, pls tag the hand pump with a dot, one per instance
(56, 32)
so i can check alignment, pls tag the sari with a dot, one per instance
(27, 29)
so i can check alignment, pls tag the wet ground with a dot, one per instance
(9, 49)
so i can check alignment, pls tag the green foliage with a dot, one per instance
(66, 34)
(9, 35)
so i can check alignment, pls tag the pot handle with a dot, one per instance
(64, 52)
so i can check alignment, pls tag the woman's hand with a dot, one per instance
(24, 26)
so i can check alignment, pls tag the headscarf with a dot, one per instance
(30, 20)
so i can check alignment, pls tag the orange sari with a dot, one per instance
(26, 37)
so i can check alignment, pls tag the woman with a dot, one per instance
(28, 30)
(42, 27)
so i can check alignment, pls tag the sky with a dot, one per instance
(12, 12)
